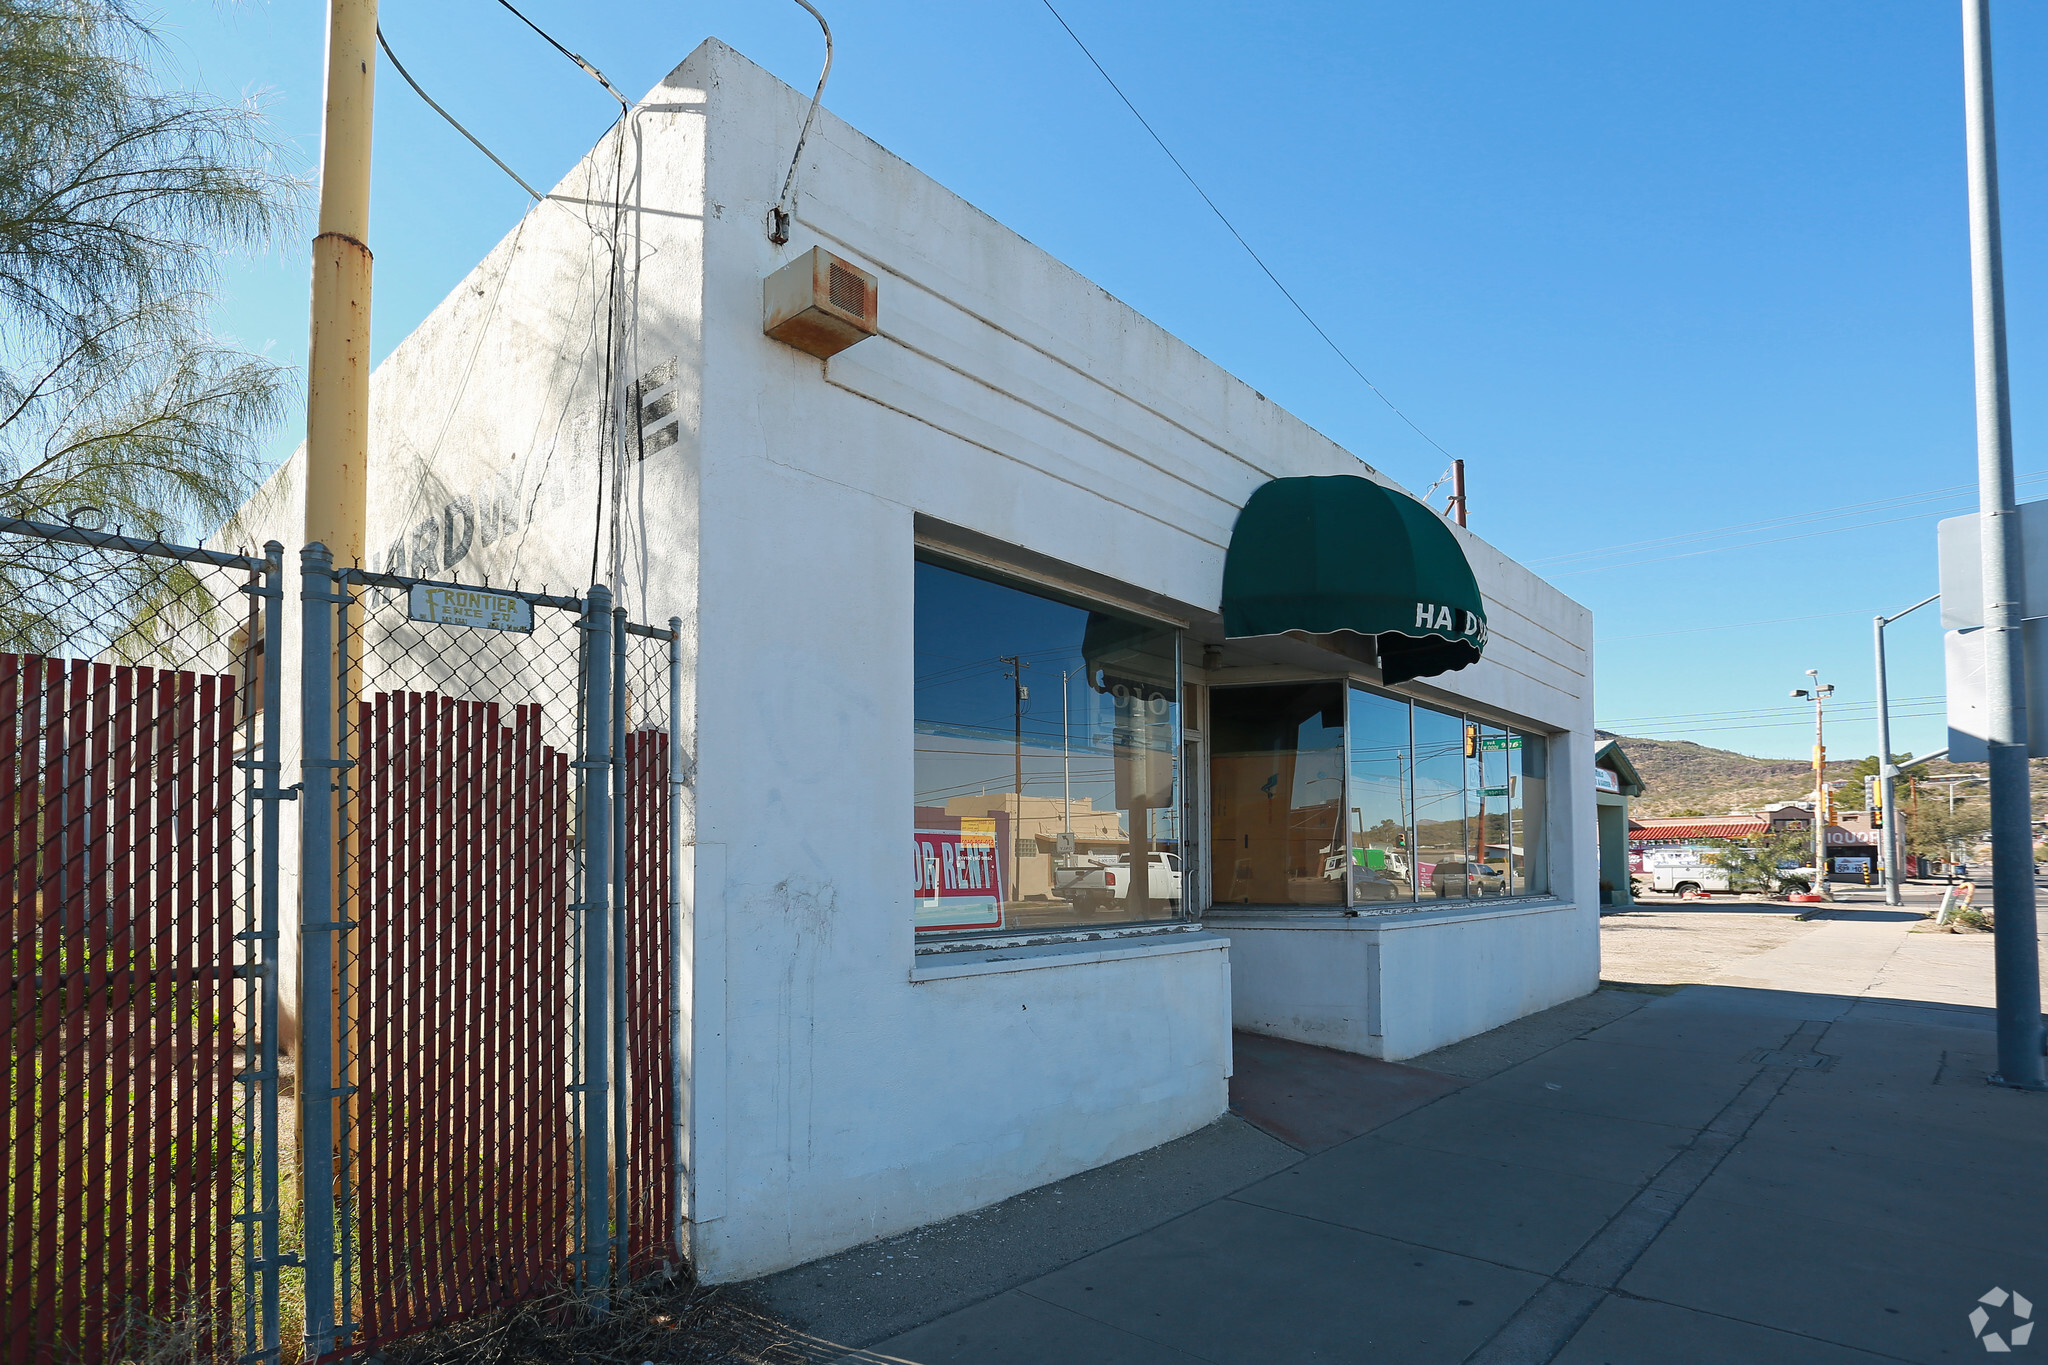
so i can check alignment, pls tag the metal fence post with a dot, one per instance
(316, 942)
(622, 1054)
(595, 839)
(271, 776)
(678, 1099)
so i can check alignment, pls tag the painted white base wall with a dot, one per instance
(1395, 987)
(989, 1075)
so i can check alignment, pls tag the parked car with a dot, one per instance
(1459, 877)
(1110, 879)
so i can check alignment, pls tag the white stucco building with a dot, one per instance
(913, 990)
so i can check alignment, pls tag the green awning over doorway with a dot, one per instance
(1342, 553)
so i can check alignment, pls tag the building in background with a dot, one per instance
(1615, 784)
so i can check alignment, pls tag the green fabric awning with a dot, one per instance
(1342, 553)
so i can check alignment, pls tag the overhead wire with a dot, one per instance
(1580, 557)
(453, 122)
(590, 70)
(1762, 711)
(785, 207)
(1231, 227)
(612, 453)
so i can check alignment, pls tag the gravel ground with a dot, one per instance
(1663, 941)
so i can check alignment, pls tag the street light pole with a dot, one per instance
(1887, 771)
(2016, 951)
(1820, 693)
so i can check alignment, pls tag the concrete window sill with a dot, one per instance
(955, 965)
(1455, 913)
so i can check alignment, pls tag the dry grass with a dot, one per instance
(674, 1323)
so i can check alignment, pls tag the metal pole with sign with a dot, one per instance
(2017, 954)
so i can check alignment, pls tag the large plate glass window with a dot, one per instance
(1276, 794)
(1528, 866)
(1410, 802)
(1046, 743)
(1382, 813)
(1441, 843)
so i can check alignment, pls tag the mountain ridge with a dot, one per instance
(1682, 775)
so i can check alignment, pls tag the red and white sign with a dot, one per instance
(959, 879)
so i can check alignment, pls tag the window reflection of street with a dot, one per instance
(1054, 729)
(1416, 805)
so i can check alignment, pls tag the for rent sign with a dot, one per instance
(959, 878)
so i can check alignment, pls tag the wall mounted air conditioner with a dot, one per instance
(819, 303)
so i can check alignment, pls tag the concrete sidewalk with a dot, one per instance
(1800, 1161)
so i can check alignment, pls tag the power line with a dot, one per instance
(1232, 228)
(1730, 625)
(474, 141)
(549, 39)
(1670, 732)
(1804, 518)
(1764, 711)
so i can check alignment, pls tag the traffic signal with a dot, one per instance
(1873, 800)
(1471, 741)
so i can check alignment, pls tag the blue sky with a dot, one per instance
(1651, 270)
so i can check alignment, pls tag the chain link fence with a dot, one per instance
(493, 847)
(138, 760)
(449, 1088)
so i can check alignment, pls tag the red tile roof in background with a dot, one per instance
(1655, 828)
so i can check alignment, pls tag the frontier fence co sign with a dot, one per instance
(477, 607)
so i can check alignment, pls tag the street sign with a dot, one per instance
(1963, 652)
(1493, 791)
(1962, 616)
(1500, 741)
(1959, 551)
(477, 607)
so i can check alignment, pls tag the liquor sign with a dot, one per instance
(478, 607)
(958, 878)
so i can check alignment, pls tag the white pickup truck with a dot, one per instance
(1681, 870)
(1105, 880)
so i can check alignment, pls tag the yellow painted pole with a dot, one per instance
(338, 360)
(338, 374)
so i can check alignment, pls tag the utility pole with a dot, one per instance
(2016, 952)
(337, 453)
(1887, 771)
(1018, 696)
(1820, 693)
(1066, 761)
(338, 357)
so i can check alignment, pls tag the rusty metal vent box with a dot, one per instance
(819, 303)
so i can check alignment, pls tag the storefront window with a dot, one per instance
(1045, 740)
(1382, 823)
(1276, 788)
(1528, 867)
(1440, 843)
(1486, 810)
(1436, 806)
